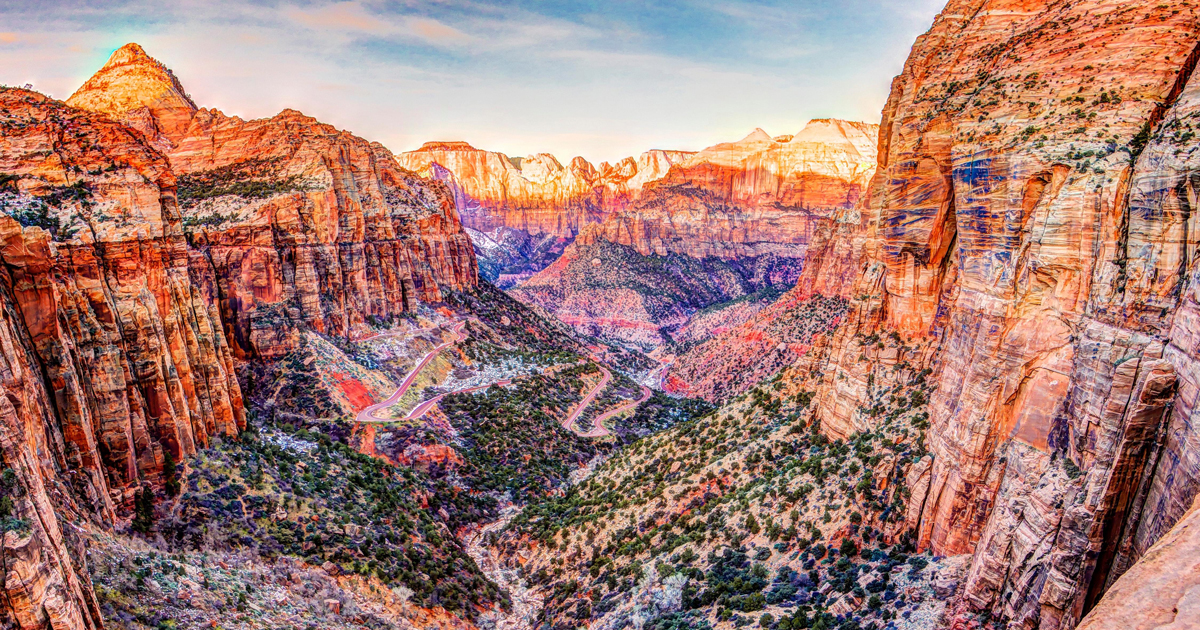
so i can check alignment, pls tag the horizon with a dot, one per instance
(602, 82)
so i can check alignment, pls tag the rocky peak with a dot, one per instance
(758, 135)
(845, 135)
(138, 90)
(454, 145)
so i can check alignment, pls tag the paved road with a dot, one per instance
(368, 414)
(569, 422)
(598, 429)
(420, 409)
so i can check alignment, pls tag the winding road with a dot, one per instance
(598, 429)
(368, 414)
(569, 422)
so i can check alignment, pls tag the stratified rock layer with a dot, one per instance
(756, 196)
(143, 246)
(114, 352)
(1030, 224)
(298, 222)
(745, 211)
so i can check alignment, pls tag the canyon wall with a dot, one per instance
(1029, 233)
(722, 224)
(735, 199)
(113, 347)
(145, 246)
(300, 223)
(535, 194)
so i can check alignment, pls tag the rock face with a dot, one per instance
(736, 199)
(1162, 590)
(535, 194)
(113, 346)
(299, 223)
(139, 91)
(1029, 231)
(524, 208)
(735, 219)
(145, 246)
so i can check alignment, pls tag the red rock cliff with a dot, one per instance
(535, 194)
(1030, 227)
(297, 221)
(143, 246)
(725, 200)
(112, 341)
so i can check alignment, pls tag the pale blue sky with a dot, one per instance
(598, 79)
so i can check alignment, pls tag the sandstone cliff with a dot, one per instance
(299, 223)
(1029, 233)
(144, 245)
(535, 194)
(736, 199)
(726, 222)
(113, 346)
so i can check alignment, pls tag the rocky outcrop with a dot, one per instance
(1162, 590)
(114, 353)
(735, 218)
(299, 223)
(143, 247)
(1028, 233)
(140, 92)
(760, 195)
(535, 194)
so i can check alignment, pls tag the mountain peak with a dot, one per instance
(129, 53)
(133, 81)
(758, 135)
(447, 145)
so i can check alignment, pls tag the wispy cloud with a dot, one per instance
(599, 79)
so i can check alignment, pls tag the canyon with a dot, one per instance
(724, 224)
(1027, 239)
(939, 372)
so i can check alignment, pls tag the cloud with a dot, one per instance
(602, 80)
(343, 16)
(436, 32)
(355, 19)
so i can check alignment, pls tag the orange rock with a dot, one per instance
(1018, 235)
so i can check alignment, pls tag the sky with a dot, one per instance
(601, 79)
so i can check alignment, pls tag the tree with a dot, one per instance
(171, 475)
(848, 548)
(143, 510)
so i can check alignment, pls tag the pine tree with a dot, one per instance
(171, 475)
(143, 510)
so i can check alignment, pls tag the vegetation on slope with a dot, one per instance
(747, 515)
(306, 496)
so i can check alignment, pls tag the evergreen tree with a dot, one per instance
(143, 510)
